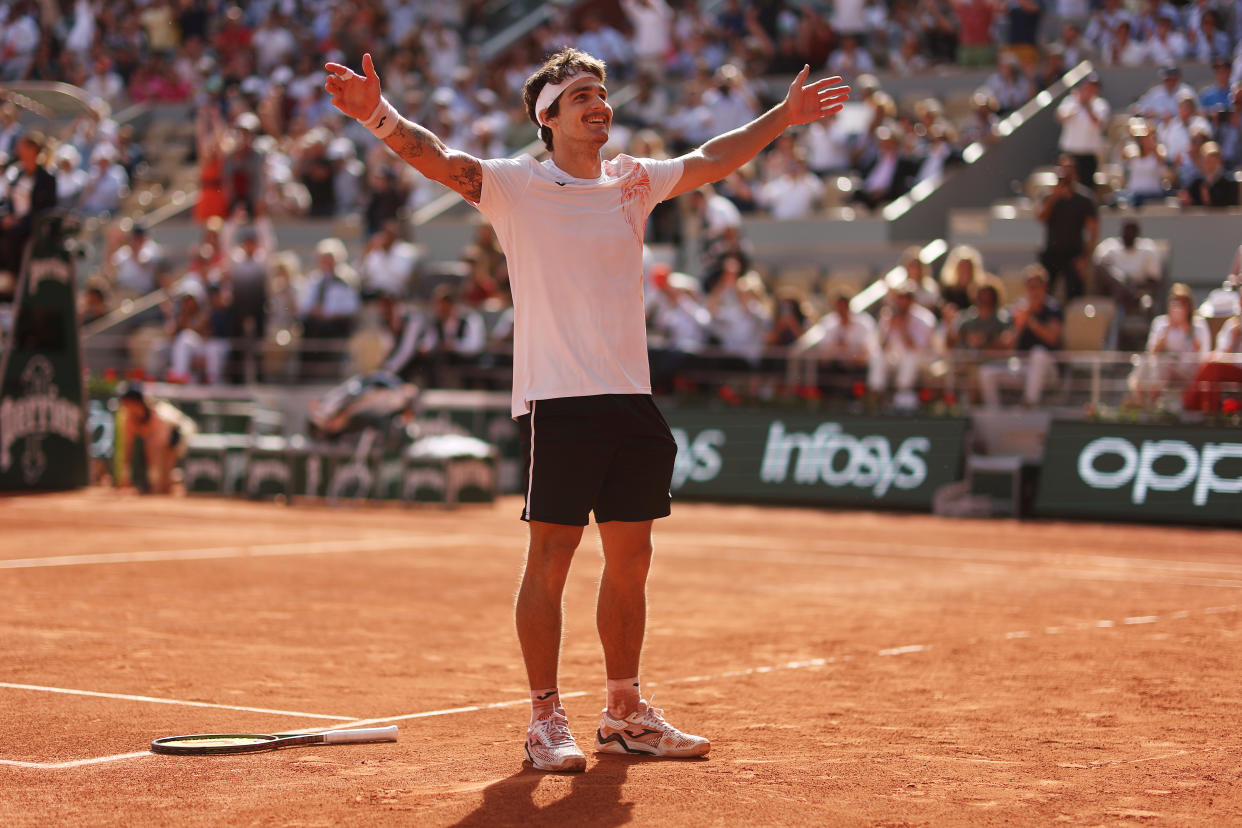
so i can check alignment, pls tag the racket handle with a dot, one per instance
(369, 734)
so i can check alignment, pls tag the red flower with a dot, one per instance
(729, 395)
(809, 392)
(926, 395)
(1229, 405)
(109, 374)
(950, 398)
(135, 374)
(860, 388)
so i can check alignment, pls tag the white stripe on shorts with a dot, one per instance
(530, 478)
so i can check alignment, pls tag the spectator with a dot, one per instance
(1147, 171)
(1215, 186)
(1220, 373)
(245, 275)
(1010, 86)
(1023, 17)
(789, 322)
(27, 190)
(983, 119)
(939, 154)
(1216, 93)
(10, 129)
(242, 165)
(960, 276)
(327, 307)
(1074, 47)
(888, 176)
(1177, 134)
(850, 59)
(826, 143)
(1034, 337)
(1207, 42)
(975, 45)
(454, 337)
(1167, 47)
(1160, 102)
(209, 135)
(730, 100)
(388, 264)
(1177, 343)
(1129, 267)
(107, 185)
(1123, 50)
(652, 22)
(19, 39)
(1071, 230)
(843, 343)
(905, 338)
(137, 261)
(188, 330)
(679, 325)
(795, 194)
(1084, 116)
(978, 331)
(739, 316)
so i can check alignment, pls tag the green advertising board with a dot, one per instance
(804, 457)
(43, 443)
(1142, 472)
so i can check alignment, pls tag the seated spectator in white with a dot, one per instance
(795, 194)
(1167, 46)
(960, 276)
(690, 124)
(1216, 93)
(1160, 102)
(1215, 186)
(1083, 117)
(1123, 50)
(842, 341)
(1130, 262)
(1178, 342)
(1009, 84)
(1207, 41)
(1176, 133)
(905, 344)
(1192, 159)
(70, 177)
(1034, 338)
(730, 100)
(135, 262)
(678, 323)
(107, 185)
(1104, 22)
(981, 128)
(406, 329)
(716, 213)
(388, 263)
(827, 145)
(739, 316)
(1220, 372)
(850, 59)
(652, 21)
(1074, 47)
(188, 330)
(1147, 171)
(650, 105)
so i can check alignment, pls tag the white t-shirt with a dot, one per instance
(1080, 134)
(575, 253)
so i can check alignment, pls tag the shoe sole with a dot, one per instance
(617, 744)
(573, 764)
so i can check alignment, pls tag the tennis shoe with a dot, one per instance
(551, 747)
(646, 731)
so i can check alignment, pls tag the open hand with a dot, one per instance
(355, 95)
(814, 100)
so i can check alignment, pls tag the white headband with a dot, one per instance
(552, 91)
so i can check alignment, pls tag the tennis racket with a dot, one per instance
(205, 744)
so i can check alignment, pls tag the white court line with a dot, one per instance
(249, 551)
(789, 665)
(157, 700)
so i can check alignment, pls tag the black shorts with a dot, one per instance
(611, 453)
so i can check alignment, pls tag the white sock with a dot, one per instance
(623, 696)
(543, 702)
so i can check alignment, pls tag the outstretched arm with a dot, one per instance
(358, 96)
(725, 153)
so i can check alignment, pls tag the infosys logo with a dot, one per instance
(832, 456)
(1181, 466)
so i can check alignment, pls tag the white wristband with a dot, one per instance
(383, 119)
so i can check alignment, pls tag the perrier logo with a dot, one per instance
(38, 413)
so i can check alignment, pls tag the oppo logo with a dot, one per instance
(837, 458)
(1180, 464)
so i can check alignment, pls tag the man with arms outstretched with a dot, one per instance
(593, 439)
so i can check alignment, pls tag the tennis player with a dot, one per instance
(594, 441)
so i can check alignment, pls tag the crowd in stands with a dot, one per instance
(268, 144)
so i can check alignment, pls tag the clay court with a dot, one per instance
(850, 668)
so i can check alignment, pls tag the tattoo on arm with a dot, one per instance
(423, 151)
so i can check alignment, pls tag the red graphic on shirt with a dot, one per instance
(635, 191)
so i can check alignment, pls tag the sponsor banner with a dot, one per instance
(1142, 472)
(43, 440)
(800, 457)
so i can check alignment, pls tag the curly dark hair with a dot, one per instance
(555, 69)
